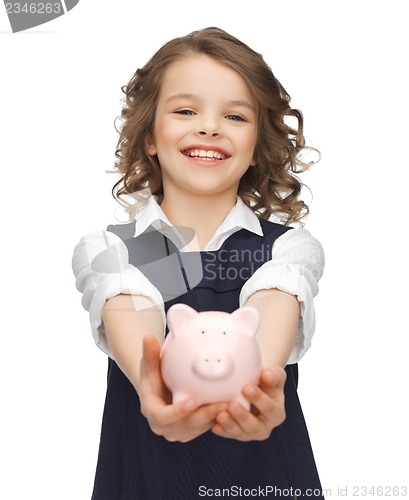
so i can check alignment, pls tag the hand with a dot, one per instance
(267, 411)
(183, 421)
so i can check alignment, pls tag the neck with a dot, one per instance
(203, 214)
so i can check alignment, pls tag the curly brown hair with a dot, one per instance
(272, 188)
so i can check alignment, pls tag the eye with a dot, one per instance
(203, 332)
(187, 112)
(236, 118)
(224, 333)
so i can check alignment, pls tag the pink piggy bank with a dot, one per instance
(210, 356)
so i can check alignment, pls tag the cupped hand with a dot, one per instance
(183, 421)
(267, 409)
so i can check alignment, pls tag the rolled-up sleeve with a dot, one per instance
(296, 266)
(101, 268)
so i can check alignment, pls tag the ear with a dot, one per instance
(253, 162)
(150, 145)
(249, 316)
(178, 315)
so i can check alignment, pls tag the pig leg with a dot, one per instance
(179, 396)
(242, 400)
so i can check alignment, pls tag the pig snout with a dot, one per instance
(212, 364)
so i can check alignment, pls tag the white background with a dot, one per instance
(345, 65)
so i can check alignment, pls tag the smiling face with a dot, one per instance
(205, 128)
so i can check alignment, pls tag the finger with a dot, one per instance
(210, 411)
(154, 395)
(268, 400)
(273, 380)
(245, 420)
(191, 412)
(271, 409)
(226, 426)
(150, 373)
(190, 427)
(150, 362)
(264, 401)
(151, 350)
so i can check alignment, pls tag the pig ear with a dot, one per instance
(249, 316)
(178, 314)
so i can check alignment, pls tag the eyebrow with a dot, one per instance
(232, 102)
(180, 96)
(242, 103)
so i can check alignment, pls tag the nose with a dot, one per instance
(209, 126)
(212, 364)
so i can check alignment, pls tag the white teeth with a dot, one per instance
(204, 154)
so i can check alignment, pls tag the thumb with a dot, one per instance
(151, 350)
(150, 363)
(273, 378)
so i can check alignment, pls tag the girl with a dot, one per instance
(206, 151)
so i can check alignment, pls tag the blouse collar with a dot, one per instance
(239, 217)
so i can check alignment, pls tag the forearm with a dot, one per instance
(279, 316)
(127, 319)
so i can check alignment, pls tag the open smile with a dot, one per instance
(205, 154)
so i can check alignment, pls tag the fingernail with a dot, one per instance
(249, 391)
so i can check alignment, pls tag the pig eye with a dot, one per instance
(224, 333)
(203, 332)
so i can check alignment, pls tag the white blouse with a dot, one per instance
(296, 265)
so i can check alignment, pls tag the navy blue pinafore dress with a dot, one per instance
(136, 464)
